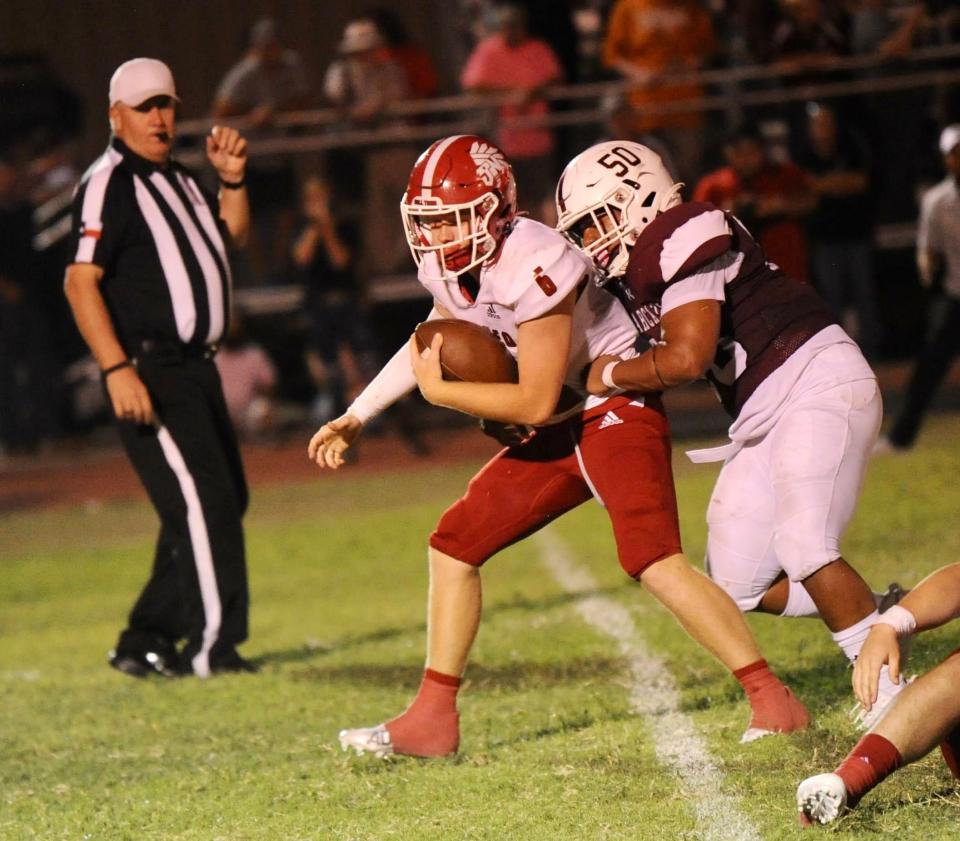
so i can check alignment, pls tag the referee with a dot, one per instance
(149, 286)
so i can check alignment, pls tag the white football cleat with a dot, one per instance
(375, 740)
(887, 693)
(821, 799)
(751, 734)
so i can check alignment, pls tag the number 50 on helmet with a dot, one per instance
(460, 200)
(607, 195)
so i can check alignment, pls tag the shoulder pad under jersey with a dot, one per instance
(680, 240)
(536, 270)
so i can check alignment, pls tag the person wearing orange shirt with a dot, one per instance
(650, 39)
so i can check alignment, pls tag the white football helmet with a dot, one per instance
(616, 188)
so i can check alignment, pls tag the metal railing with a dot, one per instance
(328, 128)
(730, 89)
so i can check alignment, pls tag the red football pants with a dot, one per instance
(618, 452)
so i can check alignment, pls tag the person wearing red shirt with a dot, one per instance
(769, 198)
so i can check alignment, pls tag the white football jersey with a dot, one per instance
(536, 269)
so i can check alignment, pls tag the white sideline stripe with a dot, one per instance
(202, 554)
(653, 694)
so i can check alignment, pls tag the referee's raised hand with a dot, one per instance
(227, 152)
(129, 396)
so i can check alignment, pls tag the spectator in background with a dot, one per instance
(771, 199)
(837, 162)
(751, 24)
(339, 340)
(51, 170)
(364, 80)
(248, 377)
(267, 81)
(28, 399)
(649, 39)
(876, 27)
(810, 34)
(892, 30)
(50, 177)
(510, 62)
(421, 73)
(618, 123)
(938, 264)
(588, 18)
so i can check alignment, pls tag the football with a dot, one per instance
(470, 353)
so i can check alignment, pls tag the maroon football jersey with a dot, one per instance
(765, 317)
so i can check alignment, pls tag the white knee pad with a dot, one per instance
(799, 603)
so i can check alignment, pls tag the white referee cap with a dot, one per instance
(139, 79)
(949, 138)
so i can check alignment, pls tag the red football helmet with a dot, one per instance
(459, 203)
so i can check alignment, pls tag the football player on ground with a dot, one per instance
(485, 264)
(925, 715)
(805, 404)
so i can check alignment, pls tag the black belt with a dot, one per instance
(163, 351)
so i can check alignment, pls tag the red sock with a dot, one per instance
(430, 726)
(950, 748)
(871, 761)
(774, 706)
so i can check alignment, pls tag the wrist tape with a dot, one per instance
(606, 375)
(900, 619)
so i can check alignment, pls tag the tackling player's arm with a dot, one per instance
(128, 394)
(687, 348)
(543, 347)
(932, 603)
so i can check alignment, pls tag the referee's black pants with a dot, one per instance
(190, 465)
(932, 366)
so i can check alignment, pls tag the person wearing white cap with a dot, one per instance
(363, 81)
(938, 265)
(149, 283)
(267, 81)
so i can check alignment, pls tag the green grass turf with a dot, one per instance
(550, 747)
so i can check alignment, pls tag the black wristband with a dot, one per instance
(233, 185)
(127, 363)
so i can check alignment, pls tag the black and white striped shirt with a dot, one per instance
(158, 237)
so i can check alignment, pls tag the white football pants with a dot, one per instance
(782, 502)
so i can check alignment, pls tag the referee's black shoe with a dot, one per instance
(231, 662)
(145, 663)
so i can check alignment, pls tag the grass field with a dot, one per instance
(553, 746)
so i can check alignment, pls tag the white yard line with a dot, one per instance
(653, 694)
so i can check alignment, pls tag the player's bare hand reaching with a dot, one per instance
(880, 649)
(332, 440)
